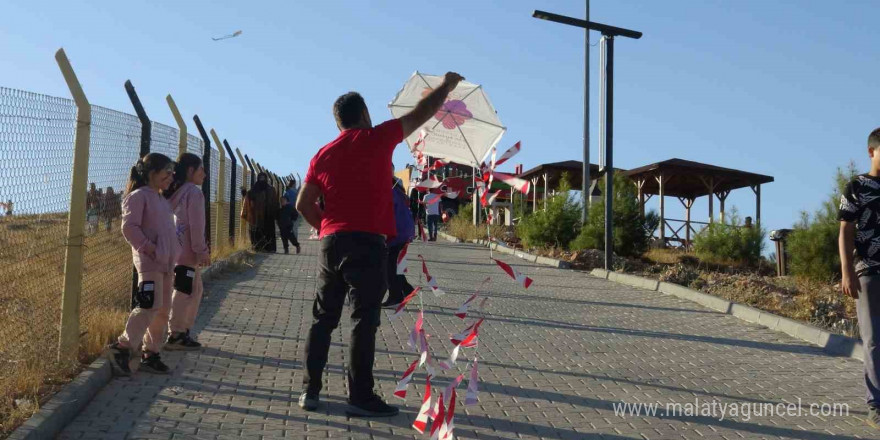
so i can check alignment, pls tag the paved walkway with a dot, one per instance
(555, 360)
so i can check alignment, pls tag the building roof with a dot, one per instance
(554, 171)
(690, 179)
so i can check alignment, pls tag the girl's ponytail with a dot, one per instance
(135, 178)
(140, 172)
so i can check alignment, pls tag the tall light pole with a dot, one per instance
(608, 32)
(585, 176)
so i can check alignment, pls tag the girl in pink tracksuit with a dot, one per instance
(148, 226)
(188, 204)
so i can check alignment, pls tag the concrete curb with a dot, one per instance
(65, 405)
(500, 248)
(831, 343)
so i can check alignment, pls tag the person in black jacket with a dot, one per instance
(287, 215)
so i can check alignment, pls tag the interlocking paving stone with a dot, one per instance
(554, 360)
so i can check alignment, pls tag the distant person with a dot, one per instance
(748, 223)
(291, 193)
(398, 286)
(148, 226)
(112, 207)
(432, 207)
(188, 203)
(859, 217)
(9, 208)
(93, 205)
(351, 173)
(262, 209)
(287, 216)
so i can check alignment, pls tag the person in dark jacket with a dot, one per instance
(398, 286)
(287, 215)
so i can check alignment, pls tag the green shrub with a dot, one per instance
(555, 226)
(632, 231)
(462, 227)
(812, 246)
(730, 243)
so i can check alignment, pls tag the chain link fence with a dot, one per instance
(36, 156)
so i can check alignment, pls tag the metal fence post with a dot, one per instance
(181, 126)
(221, 187)
(206, 187)
(68, 340)
(146, 138)
(244, 183)
(232, 192)
(253, 170)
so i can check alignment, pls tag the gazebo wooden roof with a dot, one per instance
(554, 171)
(689, 180)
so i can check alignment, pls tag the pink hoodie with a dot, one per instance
(148, 226)
(188, 204)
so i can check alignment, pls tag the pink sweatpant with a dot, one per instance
(185, 307)
(150, 325)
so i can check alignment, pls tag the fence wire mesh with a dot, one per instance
(36, 157)
(36, 139)
(114, 148)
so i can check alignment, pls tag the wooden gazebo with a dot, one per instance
(551, 173)
(687, 181)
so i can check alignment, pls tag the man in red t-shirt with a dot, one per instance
(351, 173)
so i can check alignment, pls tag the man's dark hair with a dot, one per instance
(349, 109)
(874, 138)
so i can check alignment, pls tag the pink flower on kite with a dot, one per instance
(454, 113)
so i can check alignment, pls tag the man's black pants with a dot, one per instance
(350, 263)
(398, 286)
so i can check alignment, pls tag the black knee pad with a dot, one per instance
(146, 295)
(184, 277)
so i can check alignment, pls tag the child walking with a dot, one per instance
(287, 216)
(188, 204)
(148, 226)
(859, 217)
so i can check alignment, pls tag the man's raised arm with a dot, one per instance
(429, 105)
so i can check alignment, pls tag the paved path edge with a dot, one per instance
(65, 405)
(831, 343)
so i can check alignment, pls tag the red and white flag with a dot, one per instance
(471, 397)
(432, 282)
(423, 233)
(450, 416)
(512, 151)
(425, 350)
(421, 421)
(468, 338)
(521, 185)
(439, 420)
(462, 310)
(400, 391)
(520, 278)
(438, 164)
(401, 260)
(399, 309)
(430, 183)
(414, 335)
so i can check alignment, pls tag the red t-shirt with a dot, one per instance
(354, 174)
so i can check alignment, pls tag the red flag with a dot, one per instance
(402, 304)
(422, 419)
(521, 185)
(431, 280)
(471, 396)
(400, 391)
(439, 420)
(508, 154)
(401, 260)
(520, 278)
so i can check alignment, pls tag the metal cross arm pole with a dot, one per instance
(611, 31)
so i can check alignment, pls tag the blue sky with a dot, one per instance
(785, 88)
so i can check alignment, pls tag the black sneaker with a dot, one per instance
(181, 342)
(308, 402)
(873, 419)
(151, 363)
(297, 249)
(372, 407)
(119, 358)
